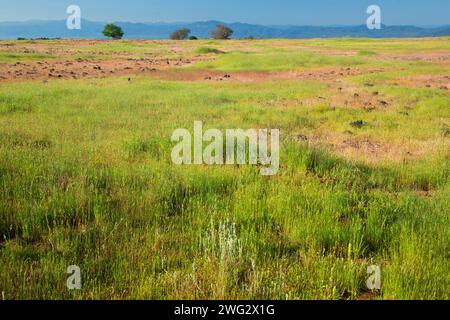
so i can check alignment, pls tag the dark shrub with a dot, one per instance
(222, 32)
(113, 31)
(180, 34)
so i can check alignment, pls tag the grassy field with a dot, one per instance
(86, 176)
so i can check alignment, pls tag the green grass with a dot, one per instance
(367, 53)
(86, 179)
(15, 57)
(204, 50)
(276, 60)
(383, 45)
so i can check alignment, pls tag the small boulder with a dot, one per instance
(357, 124)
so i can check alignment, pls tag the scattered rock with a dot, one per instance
(302, 137)
(357, 124)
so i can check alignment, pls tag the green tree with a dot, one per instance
(180, 34)
(222, 32)
(113, 31)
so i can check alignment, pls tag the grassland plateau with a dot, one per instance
(86, 176)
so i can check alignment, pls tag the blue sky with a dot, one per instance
(297, 12)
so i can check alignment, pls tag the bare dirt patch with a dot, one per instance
(365, 98)
(82, 68)
(420, 56)
(368, 149)
(94, 58)
(435, 81)
(373, 151)
(435, 58)
(63, 47)
(317, 74)
(340, 93)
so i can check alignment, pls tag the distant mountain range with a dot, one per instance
(90, 29)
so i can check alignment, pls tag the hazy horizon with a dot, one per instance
(222, 21)
(269, 12)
